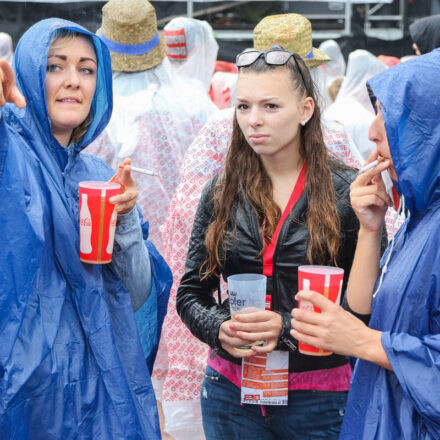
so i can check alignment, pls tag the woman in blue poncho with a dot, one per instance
(71, 362)
(396, 382)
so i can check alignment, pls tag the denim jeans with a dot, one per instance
(309, 415)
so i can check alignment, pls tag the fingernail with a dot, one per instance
(231, 326)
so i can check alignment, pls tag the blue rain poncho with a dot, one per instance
(405, 403)
(71, 362)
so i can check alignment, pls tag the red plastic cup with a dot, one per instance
(327, 281)
(97, 221)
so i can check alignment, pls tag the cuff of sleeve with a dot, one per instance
(124, 221)
(285, 340)
(364, 318)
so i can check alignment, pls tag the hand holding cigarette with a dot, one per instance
(371, 165)
(126, 200)
(368, 194)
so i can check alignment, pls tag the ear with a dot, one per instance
(307, 108)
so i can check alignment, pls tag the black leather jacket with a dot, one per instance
(196, 305)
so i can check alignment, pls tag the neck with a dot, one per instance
(63, 138)
(283, 166)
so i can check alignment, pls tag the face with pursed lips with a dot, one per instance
(377, 134)
(269, 112)
(70, 84)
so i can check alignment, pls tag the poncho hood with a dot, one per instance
(411, 123)
(426, 33)
(30, 63)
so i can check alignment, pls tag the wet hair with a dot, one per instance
(67, 35)
(244, 177)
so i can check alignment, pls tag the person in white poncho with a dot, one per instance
(156, 113)
(352, 106)
(191, 49)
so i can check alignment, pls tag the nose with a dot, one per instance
(72, 78)
(373, 131)
(254, 117)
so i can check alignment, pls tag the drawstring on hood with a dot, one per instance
(400, 212)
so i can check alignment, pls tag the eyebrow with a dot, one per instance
(270, 98)
(64, 58)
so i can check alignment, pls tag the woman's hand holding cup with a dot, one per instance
(249, 328)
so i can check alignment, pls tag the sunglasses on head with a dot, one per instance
(272, 57)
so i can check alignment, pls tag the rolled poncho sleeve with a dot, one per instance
(131, 258)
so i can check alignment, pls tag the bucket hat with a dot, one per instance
(291, 31)
(129, 29)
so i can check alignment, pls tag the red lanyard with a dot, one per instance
(270, 247)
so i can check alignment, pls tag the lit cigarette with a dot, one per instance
(371, 165)
(140, 170)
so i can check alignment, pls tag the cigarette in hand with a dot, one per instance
(371, 165)
(140, 170)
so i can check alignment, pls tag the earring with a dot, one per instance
(304, 122)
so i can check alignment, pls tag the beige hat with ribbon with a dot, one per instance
(293, 32)
(129, 29)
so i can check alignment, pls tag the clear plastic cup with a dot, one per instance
(247, 294)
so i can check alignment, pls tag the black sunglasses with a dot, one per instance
(272, 57)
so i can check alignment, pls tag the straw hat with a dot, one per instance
(291, 31)
(129, 29)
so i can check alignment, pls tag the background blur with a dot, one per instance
(379, 27)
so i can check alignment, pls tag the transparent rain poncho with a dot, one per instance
(156, 116)
(181, 379)
(336, 67)
(352, 106)
(191, 49)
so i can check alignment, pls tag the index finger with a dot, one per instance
(365, 178)
(315, 298)
(8, 88)
(252, 317)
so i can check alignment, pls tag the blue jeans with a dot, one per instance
(309, 415)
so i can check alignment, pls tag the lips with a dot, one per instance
(69, 99)
(258, 138)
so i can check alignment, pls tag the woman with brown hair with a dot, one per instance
(281, 202)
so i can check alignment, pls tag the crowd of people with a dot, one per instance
(254, 167)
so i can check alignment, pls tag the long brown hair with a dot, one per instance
(244, 178)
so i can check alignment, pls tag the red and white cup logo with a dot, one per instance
(97, 221)
(325, 280)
